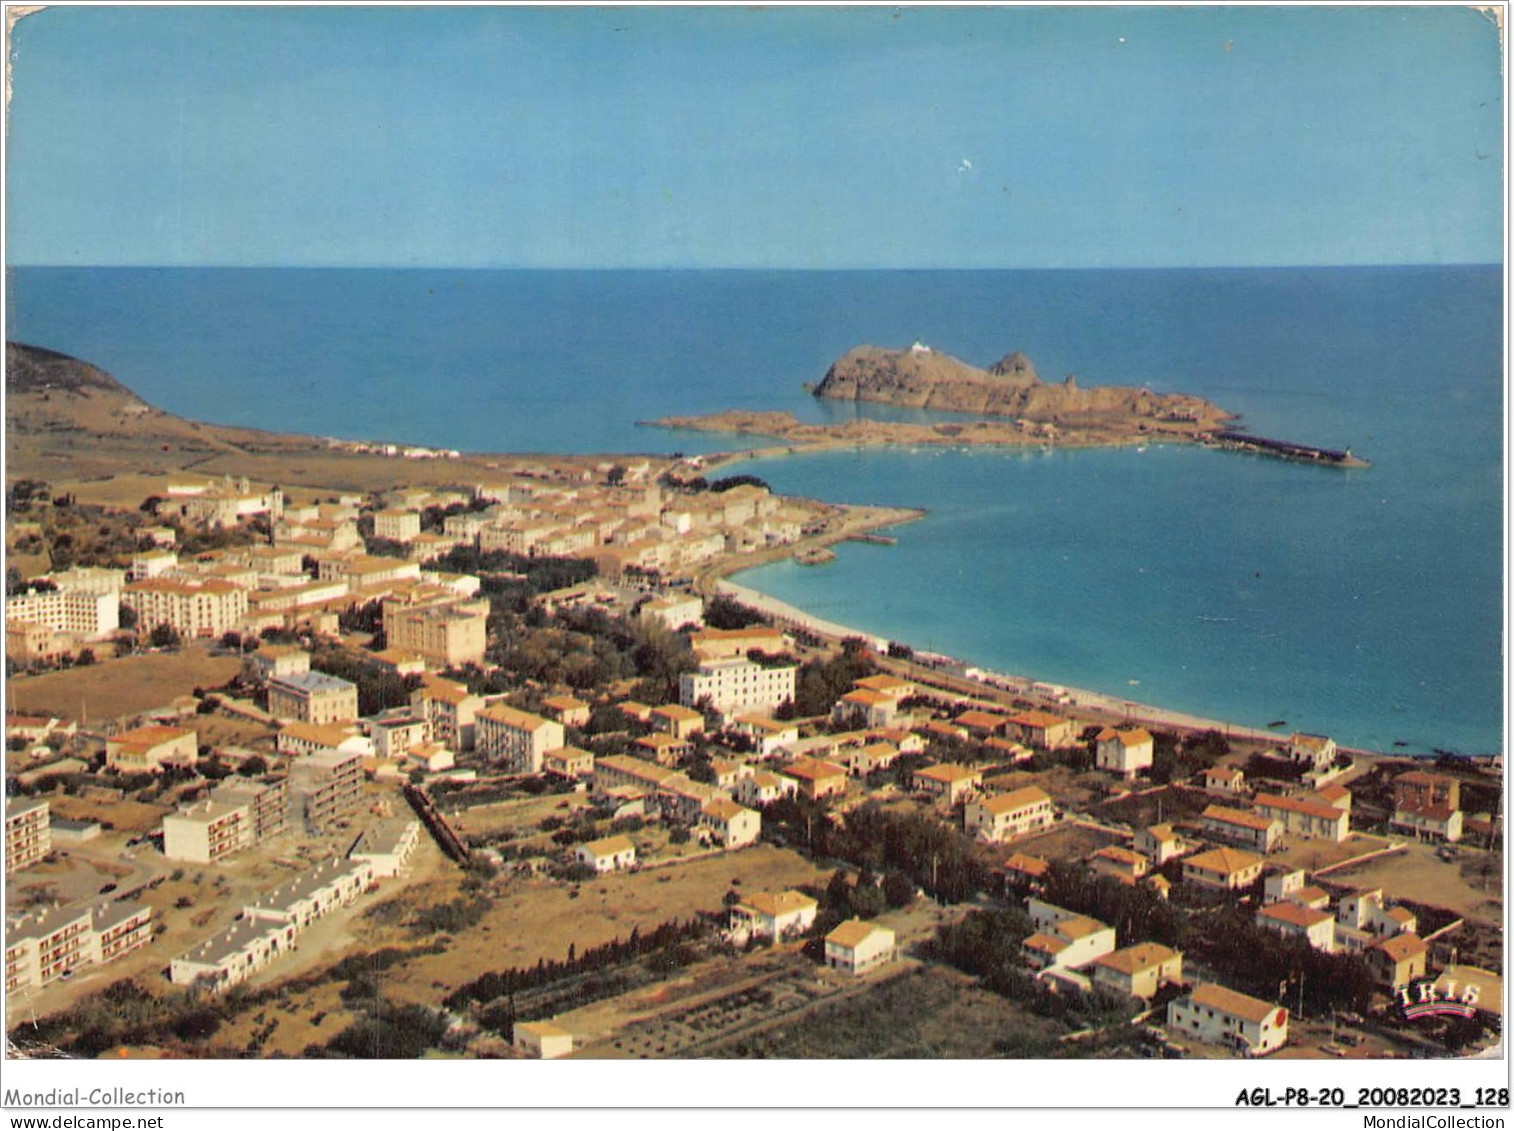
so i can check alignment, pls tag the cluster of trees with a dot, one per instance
(987, 944)
(724, 612)
(378, 688)
(929, 854)
(587, 648)
(519, 980)
(819, 683)
(1136, 913)
(534, 575)
(1174, 759)
(700, 483)
(1264, 964)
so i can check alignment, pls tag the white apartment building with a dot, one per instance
(82, 613)
(387, 847)
(1305, 818)
(230, 957)
(28, 836)
(325, 787)
(450, 711)
(1008, 815)
(312, 697)
(737, 686)
(331, 884)
(43, 946)
(190, 608)
(518, 740)
(1220, 1016)
(206, 832)
(152, 563)
(273, 661)
(396, 525)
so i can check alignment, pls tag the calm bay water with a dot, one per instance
(1366, 604)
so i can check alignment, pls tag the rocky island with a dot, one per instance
(920, 377)
(1024, 410)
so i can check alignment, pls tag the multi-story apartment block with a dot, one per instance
(148, 749)
(324, 788)
(28, 836)
(206, 832)
(516, 739)
(89, 579)
(395, 524)
(1305, 818)
(359, 570)
(312, 697)
(388, 846)
(83, 613)
(447, 634)
(1011, 814)
(736, 686)
(267, 804)
(190, 608)
(450, 711)
(152, 563)
(120, 928)
(43, 946)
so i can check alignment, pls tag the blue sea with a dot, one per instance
(1364, 604)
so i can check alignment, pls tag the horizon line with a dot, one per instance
(737, 268)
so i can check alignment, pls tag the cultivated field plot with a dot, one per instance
(701, 1025)
(120, 687)
(930, 1012)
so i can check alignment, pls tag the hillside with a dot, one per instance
(919, 377)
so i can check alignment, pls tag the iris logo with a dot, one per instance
(1438, 999)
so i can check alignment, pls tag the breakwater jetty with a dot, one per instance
(1286, 449)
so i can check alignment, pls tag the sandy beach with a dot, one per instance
(996, 688)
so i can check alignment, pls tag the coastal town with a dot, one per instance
(505, 766)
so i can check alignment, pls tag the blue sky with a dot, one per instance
(806, 138)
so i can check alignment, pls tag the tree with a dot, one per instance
(128, 617)
(726, 613)
(164, 635)
(85, 658)
(253, 767)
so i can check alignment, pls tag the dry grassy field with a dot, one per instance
(536, 919)
(120, 687)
